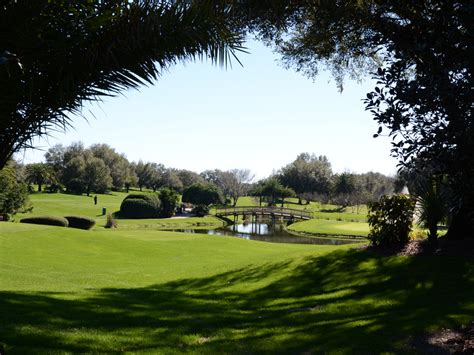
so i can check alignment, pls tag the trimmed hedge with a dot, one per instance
(80, 222)
(140, 206)
(46, 220)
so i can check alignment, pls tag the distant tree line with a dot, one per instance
(100, 168)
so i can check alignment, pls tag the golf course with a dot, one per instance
(138, 289)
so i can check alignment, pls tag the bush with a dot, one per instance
(169, 201)
(200, 210)
(13, 194)
(80, 222)
(46, 220)
(202, 194)
(390, 220)
(111, 222)
(140, 206)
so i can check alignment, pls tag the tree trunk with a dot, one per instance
(40, 187)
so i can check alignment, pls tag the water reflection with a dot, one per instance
(268, 232)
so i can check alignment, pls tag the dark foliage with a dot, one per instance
(13, 194)
(46, 220)
(80, 222)
(140, 206)
(390, 220)
(202, 194)
(200, 210)
(169, 201)
(54, 55)
(76, 186)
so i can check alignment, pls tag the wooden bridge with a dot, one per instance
(269, 211)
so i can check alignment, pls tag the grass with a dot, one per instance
(64, 204)
(138, 289)
(65, 290)
(322, 226)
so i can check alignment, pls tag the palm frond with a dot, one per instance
(64, 53)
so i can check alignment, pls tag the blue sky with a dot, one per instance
(259, 116)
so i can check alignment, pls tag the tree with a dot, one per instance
(118, 165)
(308, 174)
(169, 201)
(73, 175)
(38, 173)
(224, 180)
(274, 189)
(144, 173)
(96, 176)
(54, 55)
(202, 194)
(13, 194)
(345, 188)
(189, 177)
(423, 51)
(431, 198)
(171, 179)
(241, 186)
(424, 97)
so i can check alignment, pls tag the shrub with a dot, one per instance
(202, 194)
(200, 210)
(80, 222)
(169, 201)
(13, 194)
(140, 206)
(46, 220)
(390, 220)
(111, 222)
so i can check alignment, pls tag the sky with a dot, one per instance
(260, 116)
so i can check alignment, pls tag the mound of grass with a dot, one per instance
(46, 220)
(61, 204)
(80, 222)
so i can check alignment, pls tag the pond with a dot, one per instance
(268, 232)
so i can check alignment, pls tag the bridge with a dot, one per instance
(270, 211)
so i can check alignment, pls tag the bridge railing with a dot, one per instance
(281, 211)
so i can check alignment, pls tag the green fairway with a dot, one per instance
(323, 226)
(66, 290)
(58, 204)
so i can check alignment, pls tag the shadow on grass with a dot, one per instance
(341, 301)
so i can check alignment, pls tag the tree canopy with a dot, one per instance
(55, 55)
(420, 53)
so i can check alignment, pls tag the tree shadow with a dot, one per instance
(342, 301)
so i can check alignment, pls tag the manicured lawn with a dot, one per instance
(66, 290)
(323, 226)
(64, 204)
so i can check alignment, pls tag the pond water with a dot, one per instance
(268, 232)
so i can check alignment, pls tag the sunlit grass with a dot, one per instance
(66, 290)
